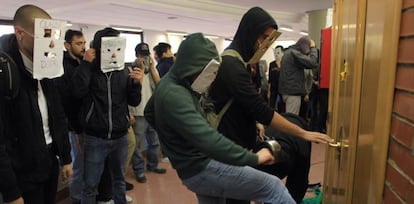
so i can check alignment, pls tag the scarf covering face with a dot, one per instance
(253, 24)
(303, 45)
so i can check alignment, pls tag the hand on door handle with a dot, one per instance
(334, 144)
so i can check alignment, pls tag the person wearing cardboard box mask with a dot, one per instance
(255, 34)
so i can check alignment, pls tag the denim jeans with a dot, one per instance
(75, 183)
(219, 181)
(145, 133)
(96, 150)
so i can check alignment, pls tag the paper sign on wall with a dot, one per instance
(113, 53)
(48, 48)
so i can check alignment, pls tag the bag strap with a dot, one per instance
(234, 53)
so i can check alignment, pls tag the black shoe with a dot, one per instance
(157, 170)
(128, 186)
(141, 178)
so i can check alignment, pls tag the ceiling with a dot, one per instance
(212, 17)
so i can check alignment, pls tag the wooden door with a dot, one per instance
(364, 50)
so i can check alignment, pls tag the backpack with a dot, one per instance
(212, 117)
(9, 79)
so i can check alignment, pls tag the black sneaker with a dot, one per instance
(141, 178)
(129, 186)
(157, 170)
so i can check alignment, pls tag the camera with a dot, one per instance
(147, 63)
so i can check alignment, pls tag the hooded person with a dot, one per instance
(233, 82)
(299, 57)
(209, 164)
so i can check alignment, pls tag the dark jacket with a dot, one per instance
(25, 141)
(106, 96)
(174, 111)
(234, 81)
(8, 181)
(164, 65)
(71, 104)
(292, 75)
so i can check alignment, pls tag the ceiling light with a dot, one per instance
(303, 33)
(128, 29)
(69, 24)
(286, 29)
(211, 36)
(176, 33)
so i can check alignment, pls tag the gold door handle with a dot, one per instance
(334, 144)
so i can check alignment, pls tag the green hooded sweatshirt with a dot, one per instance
(174, 111)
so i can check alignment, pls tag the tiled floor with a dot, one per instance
(168, 189)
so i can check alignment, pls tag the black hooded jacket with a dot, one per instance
(234, 81)
(105, 96)
(24, 136)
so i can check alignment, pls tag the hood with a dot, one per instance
(303, 45)
(6, 42)
(194, 53)
(253, 23)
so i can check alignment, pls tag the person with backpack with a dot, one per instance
(209, 164)
(8, 89)
(233, 82)
(34, 120)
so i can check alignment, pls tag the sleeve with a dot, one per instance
(134, 93)
(306, 61)
(81, 79)
(239, 83)
(8, 182)
(194, 128)
(60, 132)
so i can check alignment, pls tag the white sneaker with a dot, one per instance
(106, 202)
(165, 160)
(128, 198)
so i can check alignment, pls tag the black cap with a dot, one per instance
(142, 49)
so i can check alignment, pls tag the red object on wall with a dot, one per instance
(326, 39)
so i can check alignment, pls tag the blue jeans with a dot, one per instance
(96, 150)
(145, 133)
(219, 181)
(75, 183)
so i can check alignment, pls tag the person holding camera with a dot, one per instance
(146, 137)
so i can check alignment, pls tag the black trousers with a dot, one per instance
(42, 192)
(293, 163)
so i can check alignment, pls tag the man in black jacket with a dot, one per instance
(8, 89)
(35, 123)
(105, 117)
(233, 81)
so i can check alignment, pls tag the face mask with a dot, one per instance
(263, 47)
(206, 77)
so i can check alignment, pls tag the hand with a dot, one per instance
(132, 119)
(261, 131)
(137, 75)
(317, 137)
(67, 173)
(265, 156)
(89, 55)
(312, 43)
(306, 98)
(17, 201)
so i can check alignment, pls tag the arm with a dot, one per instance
(154, 73)
(134, 86)
(280, 123)
(306, 61)
(82, 76)
(8, 185)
